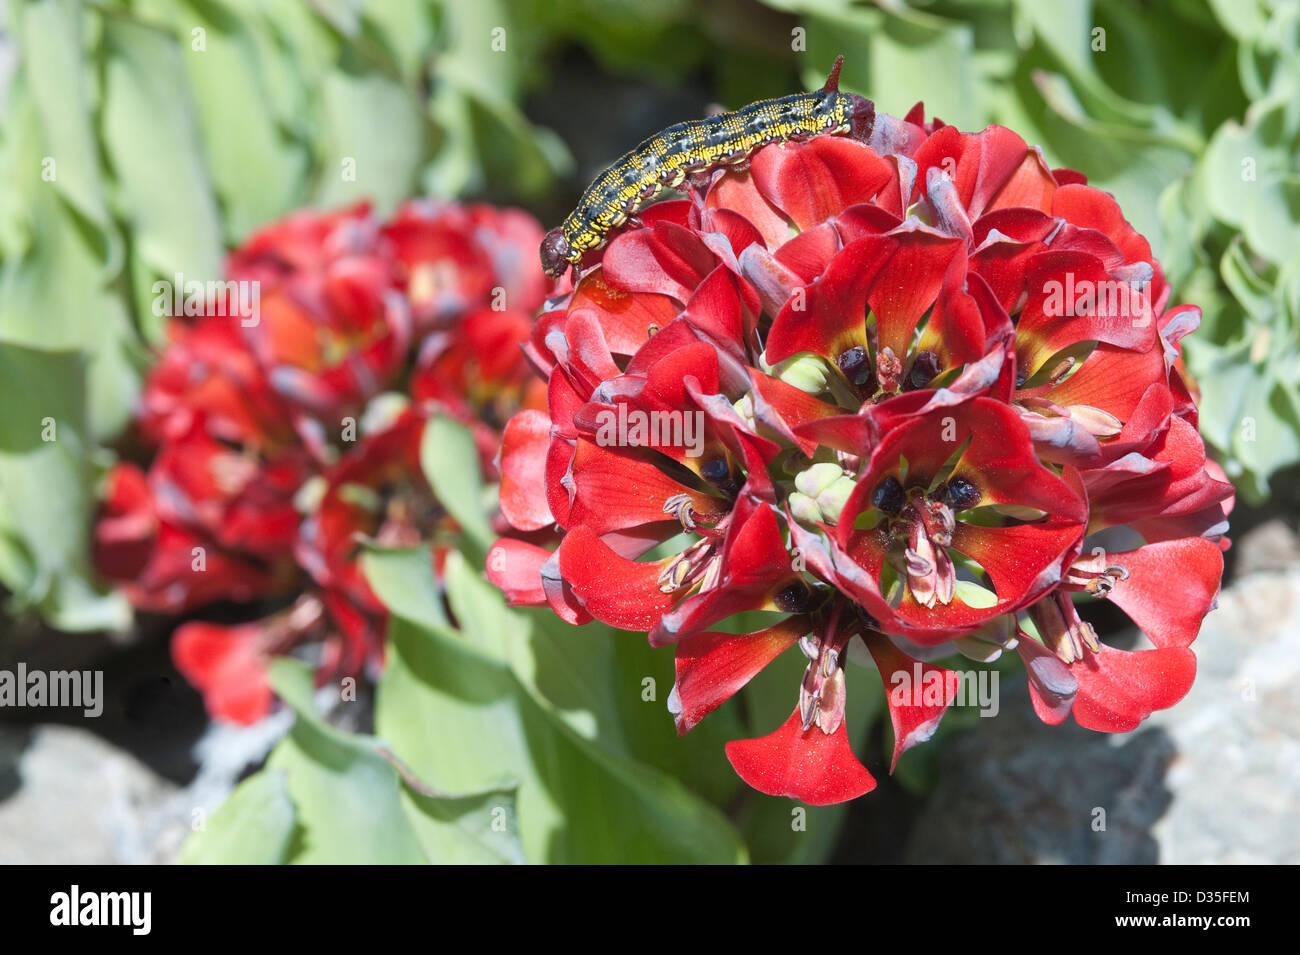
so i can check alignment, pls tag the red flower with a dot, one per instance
(165, 564)
(377, 492)
(330, 329)
(924, 368)
(272, 462)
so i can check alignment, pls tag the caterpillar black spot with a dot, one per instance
(695, 147)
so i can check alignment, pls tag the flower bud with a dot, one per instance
(805, 371)
(744, 406)
(823, 490)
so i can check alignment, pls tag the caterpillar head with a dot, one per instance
(862, 117)
(554, 253)
(862, 112)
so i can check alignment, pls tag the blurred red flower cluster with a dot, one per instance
(913, 395)
(285, 421)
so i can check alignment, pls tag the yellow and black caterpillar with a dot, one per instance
(694, 147)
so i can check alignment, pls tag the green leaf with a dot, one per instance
(164, 190)
(402, 579)
(450, 461)
(55, 284)
(577, 803)
(254, 826)
(45, 490)
(373, 141)
(609, 686)
(357, 804)
(261, 173)
(52, 38)
(407, 31)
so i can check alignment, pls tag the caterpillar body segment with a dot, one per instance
(666, 159)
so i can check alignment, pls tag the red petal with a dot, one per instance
(831, 316)
(712, 667)
(981, 165)
(815, 181)
(740, 232)
(908, 283)
(784, 407)
(617, 591)
(515, 567)
(614, 491)
(226, 664)
(1052, 686)
(625, 316)
(524, 446)
(1092, 208)
(1118, 689)
(716, 310)
(736, 191)
(913, 718)
(807, 765)
(1072, 299)
(668, 259)
(808, 253)
(1171, 587)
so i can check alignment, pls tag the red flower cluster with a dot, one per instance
(287, 417)
(922, 391)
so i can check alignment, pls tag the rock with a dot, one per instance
(1236, 780)
(67, 796)
(1215, 779)
(1013, 790)
(1272, 545)
(74, 799)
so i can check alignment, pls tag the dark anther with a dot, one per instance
(1021, 378)
(715, 470)
(796, 598)
(888, 496)
(856, 365)
(959, 494)
(925, 367)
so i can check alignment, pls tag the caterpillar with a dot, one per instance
(693, 148)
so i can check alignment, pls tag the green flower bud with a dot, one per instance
(804, 508)
(744, 406)
(812, 481)
(833, 499)
(806, 371)
(825, 488)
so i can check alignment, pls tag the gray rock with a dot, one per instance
(1272, 545)
(74, 799)
(1215, 779)
(1236, 780)
(67, 796)
(1013, 790)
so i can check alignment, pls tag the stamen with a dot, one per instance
(889, 369)
(857, 369)
(960, 494)
(1061, 371)
(925, 367)
(681, 507)
(674, 575)
(796, 598)
(888, 496)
